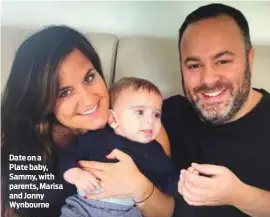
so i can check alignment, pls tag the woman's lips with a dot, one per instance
(89, 111)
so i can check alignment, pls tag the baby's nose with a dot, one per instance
(149, 120)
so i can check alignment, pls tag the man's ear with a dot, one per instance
(112, 119)
(251, 58)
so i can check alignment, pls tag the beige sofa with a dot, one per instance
(152, 58)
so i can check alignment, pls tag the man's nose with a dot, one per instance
(209, 75)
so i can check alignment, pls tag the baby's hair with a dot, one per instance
(131, 83)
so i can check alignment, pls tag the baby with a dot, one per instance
(134, 120)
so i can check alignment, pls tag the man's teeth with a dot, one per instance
(213, 94)
(89, 111)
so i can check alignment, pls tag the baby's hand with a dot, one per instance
(86, 182)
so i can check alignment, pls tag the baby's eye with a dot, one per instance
(157, 115)
(139, 112)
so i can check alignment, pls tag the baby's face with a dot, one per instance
(138, 115)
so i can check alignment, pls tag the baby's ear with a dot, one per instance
(112, 119)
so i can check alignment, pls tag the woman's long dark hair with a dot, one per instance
(31, 91)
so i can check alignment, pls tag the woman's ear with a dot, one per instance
(112, 119)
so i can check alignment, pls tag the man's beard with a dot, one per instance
(231, 106)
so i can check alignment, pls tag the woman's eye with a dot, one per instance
(139, 112)
(89, 78)
(64, 93)
(157, 115)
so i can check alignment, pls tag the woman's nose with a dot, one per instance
(85, 96)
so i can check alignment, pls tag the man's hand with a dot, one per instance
(210, 185)
(216, 185)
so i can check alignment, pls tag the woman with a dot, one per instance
(55, 92)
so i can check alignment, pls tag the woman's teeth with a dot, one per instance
(88, 112)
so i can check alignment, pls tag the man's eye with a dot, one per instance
(139, 112)
(157, 115)
(194, 66)
(64, 93)
(222, 62)
(89, 78)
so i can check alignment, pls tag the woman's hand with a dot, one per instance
(121, 179)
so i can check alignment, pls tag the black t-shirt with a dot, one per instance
(243, 146)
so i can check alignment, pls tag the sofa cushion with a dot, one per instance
(261, 68)
(12, 37)
(106, 46)
(155, 59)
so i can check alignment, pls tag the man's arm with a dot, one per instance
(253, 201)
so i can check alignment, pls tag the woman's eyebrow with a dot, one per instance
(64, 88)
(89, 71)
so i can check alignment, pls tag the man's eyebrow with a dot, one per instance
(222, 53)
(216, 56)
(196, 59)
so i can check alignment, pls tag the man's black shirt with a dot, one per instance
(243, 146)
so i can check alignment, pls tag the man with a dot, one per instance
(223, 125)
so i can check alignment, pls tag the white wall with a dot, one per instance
(122, 18)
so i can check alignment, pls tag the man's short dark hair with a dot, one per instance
(215, 10)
